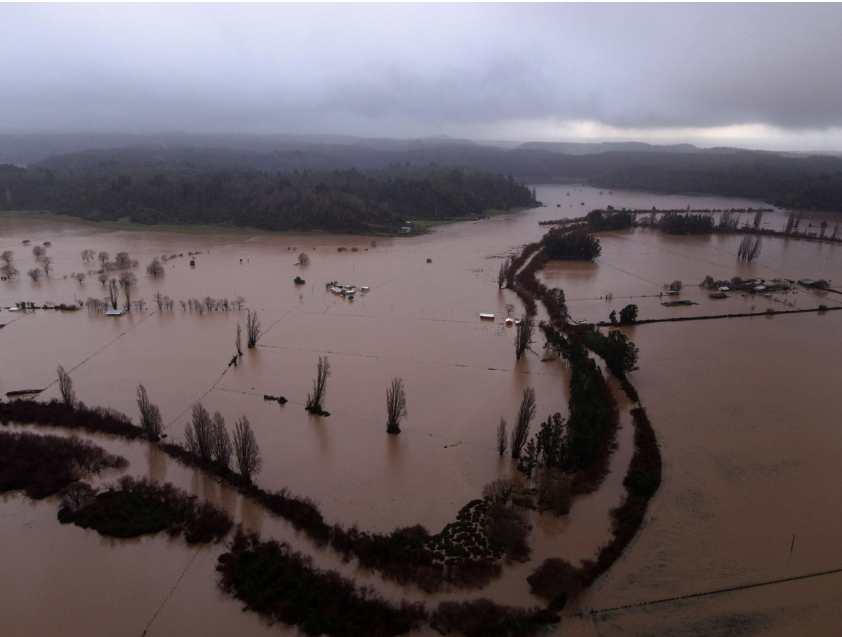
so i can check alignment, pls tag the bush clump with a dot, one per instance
(140, 507)
(44, 465)
(283, 585)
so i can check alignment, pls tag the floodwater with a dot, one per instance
(745, 409)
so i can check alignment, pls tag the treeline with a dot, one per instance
(674, 223)
(337, 201)
(590, 404)
(401, 556)
(572, 246)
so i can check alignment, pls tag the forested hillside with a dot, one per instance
(337, 201)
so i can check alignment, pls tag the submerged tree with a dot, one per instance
(253, 330)
(238, 342)
(303, 258)
(628, 314)
(395, 406)
(502, 438)
(112, 293)
(220, 441)
(103, 257)
(155, 268)
(525, 414)
(246, 451)
(524, 333)
(150, 415)
(199, 435)
(48, 265)
(34, 274)
(39, 251)
(501, 273)
(88, 255)
(315, 401)
(65, 386)
(749, 249)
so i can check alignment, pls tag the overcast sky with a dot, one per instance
(751, 75)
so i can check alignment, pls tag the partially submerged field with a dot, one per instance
(742, 406)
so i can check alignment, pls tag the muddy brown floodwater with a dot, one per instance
(746, 411)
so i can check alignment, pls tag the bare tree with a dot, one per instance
(220, 441)
(34, 274)
(749, 248)
(502, 438)
(127, 281)
(122, 260)
(199, 435)
(113, 295)
(65, 386)
(140, 304)
(303, 258)
(102, 278)
(524, 333)
(239, 340)
(79, 276)
(499, 491)
(315, 400)
(159, 300)
(150, 415)
(7, 257)
(239, 302)
(8, 271)
(209, 302)
(246, 451)
(525, 414)
(253, 329)
(501, 273)
(155, 268)
(103, 258)
(88, 256)
(39, 251)
(395, 406)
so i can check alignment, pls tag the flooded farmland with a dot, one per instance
(746, 411)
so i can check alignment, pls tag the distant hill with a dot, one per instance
(808, 181)
(587, 148)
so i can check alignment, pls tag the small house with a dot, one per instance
(115, 312)
(486, 316)
(807, 282)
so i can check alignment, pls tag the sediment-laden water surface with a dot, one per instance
(745, 410)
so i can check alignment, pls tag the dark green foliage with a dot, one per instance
(284, 586)
(675, 223)
(140, 507)
(338, 201)
(484, 618)
(590, 402)
(43, 465)
(554, 579)
(600, 220)
(619, 352)
(628, 314)
(552, 443)
(571, 246)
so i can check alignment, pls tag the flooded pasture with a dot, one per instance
(746, 411)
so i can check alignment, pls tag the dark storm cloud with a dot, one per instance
(417, 69)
